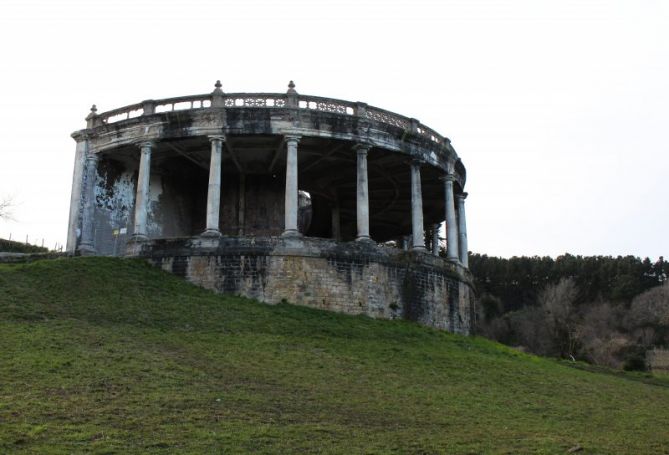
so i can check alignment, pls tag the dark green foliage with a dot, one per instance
(518, 281)
(101, 355)
(10, 246)
(610, 317)
(635, 359)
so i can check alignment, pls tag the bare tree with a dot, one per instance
(601, 340)
(6, 206)
(648, 316)
(533, 331)
(558, 303)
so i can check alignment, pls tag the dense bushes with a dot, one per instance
(10, 246)
(606, 310)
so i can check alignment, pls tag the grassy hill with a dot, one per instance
(113, 356)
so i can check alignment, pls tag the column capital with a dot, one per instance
(417, 162)
(92, 156)
(362, 148)
(80, 136)
(216, 137)
(145, 144)
(461, 196)
(292, 137)
(448, 177)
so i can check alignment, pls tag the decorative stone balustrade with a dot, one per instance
(266, 100)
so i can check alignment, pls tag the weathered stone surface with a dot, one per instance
(208, 183)
(351, 277)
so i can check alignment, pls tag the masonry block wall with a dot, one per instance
(351, 278)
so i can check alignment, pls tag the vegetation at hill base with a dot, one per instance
(10, 246)
(605, 310)
(107, 355)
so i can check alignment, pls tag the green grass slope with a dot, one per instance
(112, 356)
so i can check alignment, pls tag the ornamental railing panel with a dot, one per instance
(383, 116)
(318, 103)
(255, 100)
(267, 100)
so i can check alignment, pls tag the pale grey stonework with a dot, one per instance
(75, 199)
(265, 195)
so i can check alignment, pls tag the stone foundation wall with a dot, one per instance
(658, 359)
(352, 278)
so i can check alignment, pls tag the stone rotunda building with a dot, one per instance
(280, 196)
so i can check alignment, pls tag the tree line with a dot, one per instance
(602, 309)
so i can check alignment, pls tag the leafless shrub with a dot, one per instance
(533, 332)
(648, 316)
(6, 206)
(558, 304)
(601, 341)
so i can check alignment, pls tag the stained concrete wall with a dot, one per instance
(76, 202)
(114, 204)
(177, 204)
(352, 278)
(259, 212)
(173, 210)
(264, 205)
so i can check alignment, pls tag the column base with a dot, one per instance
(138, 238)
(86, 249)
(364, 238)
(422, 249)
(133, 246)
(291, 233)
(211, 233)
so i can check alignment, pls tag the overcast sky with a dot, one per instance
(558, 109)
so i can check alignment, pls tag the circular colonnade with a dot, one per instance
(280, 196)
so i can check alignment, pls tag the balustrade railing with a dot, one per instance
(264, 100)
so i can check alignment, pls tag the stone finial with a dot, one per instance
(217, 96)
(291, 88)
(93, 112)
(218, 86)
(91, 117)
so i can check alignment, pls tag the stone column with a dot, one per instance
(242, 205)
(336, 222)
(214, 189)
(416, 208)
(451, 224)
(362, 205)
(291, 201)
(76, 196)
(435, 239)
(87, 245)
(142, 198)
(462, 228)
